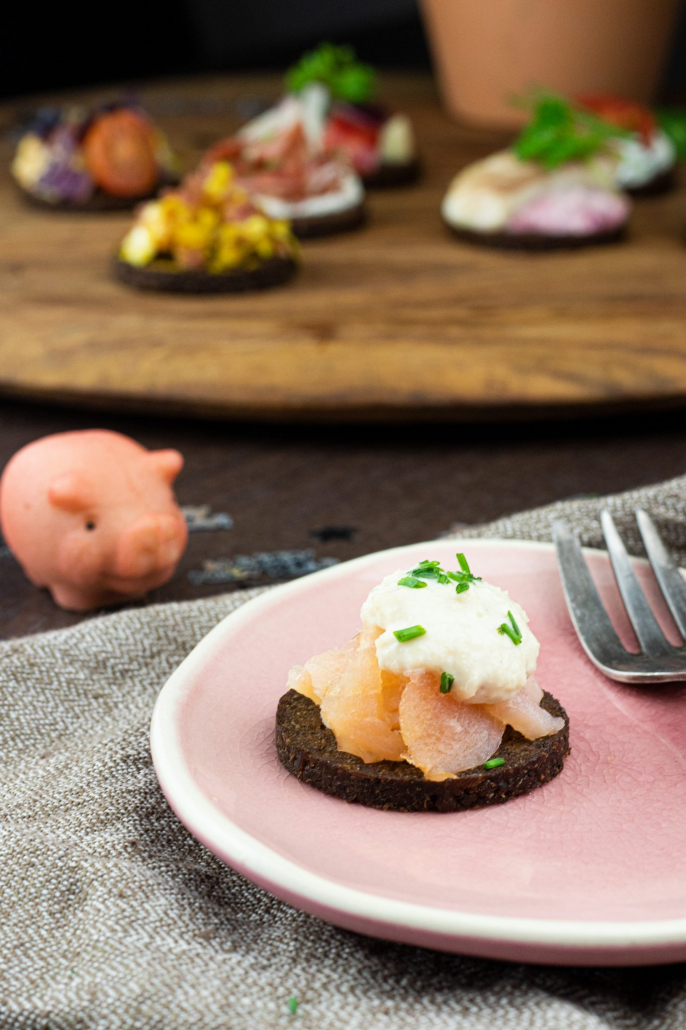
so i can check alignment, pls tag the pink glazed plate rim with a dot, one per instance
(559, 941)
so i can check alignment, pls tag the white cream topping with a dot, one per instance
(31, 160)
(485, 195)
(640, 162)
(350, 194)
(308, 108)
(461, 636)
(396, 141)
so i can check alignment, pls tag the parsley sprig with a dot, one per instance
(559, 132)
(338, 69)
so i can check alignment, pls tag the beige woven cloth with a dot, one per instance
(113, 917)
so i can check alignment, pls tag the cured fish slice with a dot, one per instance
(444, 736)
(523, 713)
(353, 707)
(314, 678)
(358, 702)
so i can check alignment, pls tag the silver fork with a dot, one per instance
(658, 660)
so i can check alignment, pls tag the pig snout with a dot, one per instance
(149, 544)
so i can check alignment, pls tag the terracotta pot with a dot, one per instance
(488, 51)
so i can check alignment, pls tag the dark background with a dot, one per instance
(62, 44)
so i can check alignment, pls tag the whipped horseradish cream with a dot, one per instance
(461, 636)
(640, 162)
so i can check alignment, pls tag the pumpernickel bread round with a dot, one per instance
(308, 750)
(167, 279)
(655, 187)
(389, 175)
(310, 226)
(98, 203)
(537, 241)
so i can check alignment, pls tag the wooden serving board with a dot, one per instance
(397, 320)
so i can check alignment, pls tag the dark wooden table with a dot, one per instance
(394, 485)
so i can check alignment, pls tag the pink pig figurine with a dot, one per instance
(92, 516)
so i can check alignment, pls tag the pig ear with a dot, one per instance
(70, 492)
(167, 464)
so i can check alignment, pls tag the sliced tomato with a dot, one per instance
(356, 138)
(625, 114)
(119, 150)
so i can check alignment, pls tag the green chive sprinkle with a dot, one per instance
(425, 571)
(513, 631)
(507, 630)
(463, 563)
(403, 635)
(432, 570)
(515, 627)
(446, 682)
(493, 763)
(293, 1002)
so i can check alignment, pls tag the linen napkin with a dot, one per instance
(112, 917)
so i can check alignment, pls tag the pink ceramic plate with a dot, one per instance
(590, 869)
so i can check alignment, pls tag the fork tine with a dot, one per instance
(666, 572)
(651, 638)
(591, 621)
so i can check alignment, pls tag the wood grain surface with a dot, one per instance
(396, 320)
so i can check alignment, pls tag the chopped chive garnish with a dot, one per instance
(425, 572)
(292, 1006)
(446, 682)
(505, 629)
(432, 570)
(461, 587)
(513, 631)
(403, 635)
(493, 763)
(515, 627)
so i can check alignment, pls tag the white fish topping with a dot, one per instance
(485, 195)
(461, 636)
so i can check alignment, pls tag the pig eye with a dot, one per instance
(90, 525)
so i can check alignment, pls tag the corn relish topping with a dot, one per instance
(209, 224)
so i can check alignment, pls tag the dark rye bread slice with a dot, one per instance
(656, 187)
(327, 225)
(537, 241)
(308, 750)
(388, 176)
(99, 203)
(163, 277)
